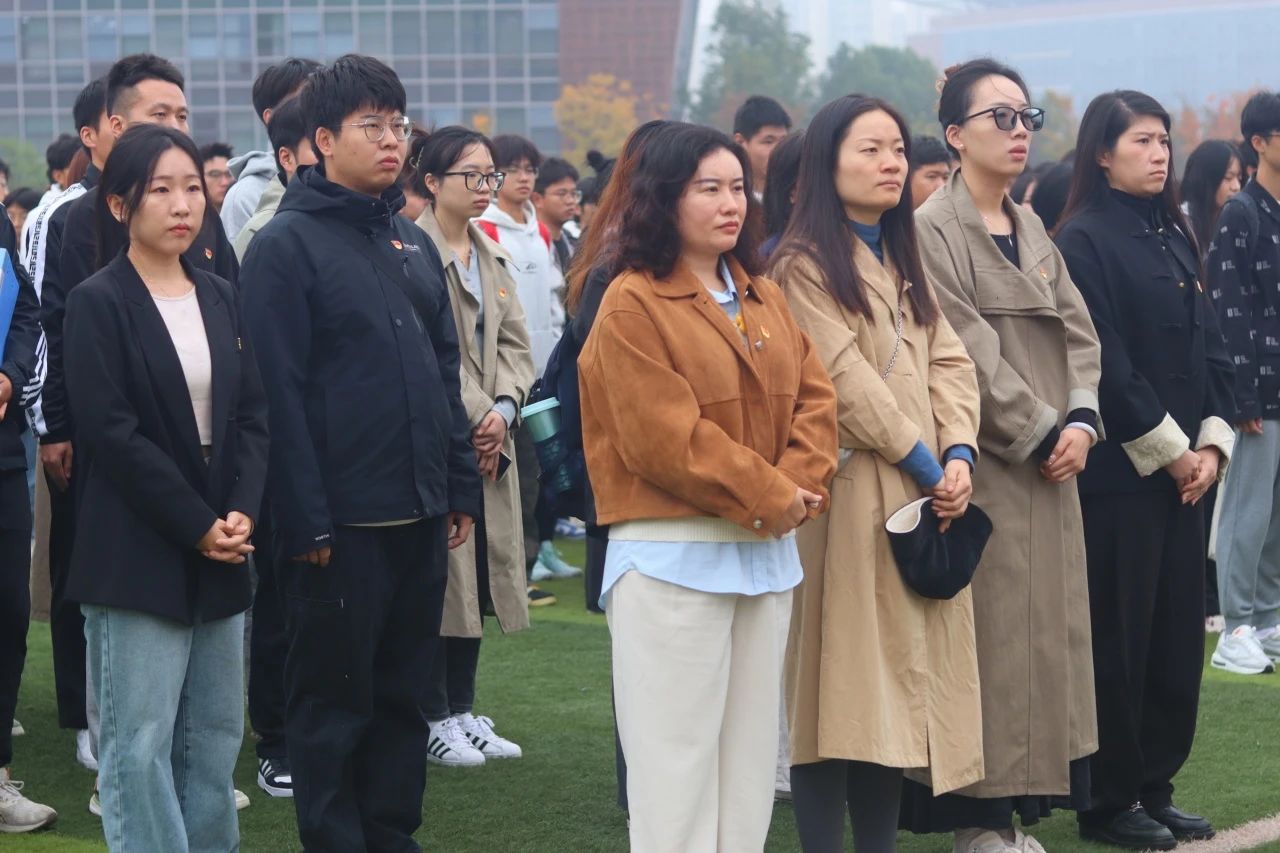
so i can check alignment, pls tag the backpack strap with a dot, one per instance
(489, 228)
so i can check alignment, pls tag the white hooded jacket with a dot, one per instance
(539, 283)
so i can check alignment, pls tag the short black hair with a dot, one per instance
(759, 111)
(349, 83)
(137, 68)
(279, 81)
(510, 149)
(90, 104)
(23, 197)
(287, 128)
(59, 153)
(927, 150)
(552, 171)
(1248, 157)
(215, 149)
(1261, 115)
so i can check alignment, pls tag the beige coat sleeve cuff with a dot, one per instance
(1164, 444)
(1215, 432)
(1082, 398)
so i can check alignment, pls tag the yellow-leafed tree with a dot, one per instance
(599, 113)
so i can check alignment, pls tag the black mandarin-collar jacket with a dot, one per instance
(1162, 349)
(367, 422)
(144, 492)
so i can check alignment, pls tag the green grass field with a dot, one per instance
(548, 690)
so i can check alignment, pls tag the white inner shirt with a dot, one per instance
(181, 315)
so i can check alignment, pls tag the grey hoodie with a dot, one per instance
(253, 172)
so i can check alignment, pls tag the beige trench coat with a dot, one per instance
(1037, 356)
(507, 372)
(875, 672)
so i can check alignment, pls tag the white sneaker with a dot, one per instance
(17, 730)
(17, 813)
(479, 730)
(980, 841)
(1269, 640)
(242, 800)
(550, 557)
(95, 804)
(1241, 653)
(449, 746)
(84, 752)
(541, 573)
(1024, 843)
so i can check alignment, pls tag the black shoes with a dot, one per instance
(1132, 829)
(1185, 827)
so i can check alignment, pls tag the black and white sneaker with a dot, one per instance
(479, 730)
(449, 746)
(274, 777)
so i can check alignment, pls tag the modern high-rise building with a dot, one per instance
(1179, 51)
(495, 63)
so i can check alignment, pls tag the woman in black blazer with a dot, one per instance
(1165, 391)
(171, 445)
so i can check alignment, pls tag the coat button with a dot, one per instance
(1182, 284)
(757, 524)
(399, 323)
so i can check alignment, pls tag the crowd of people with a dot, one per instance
(286, 396)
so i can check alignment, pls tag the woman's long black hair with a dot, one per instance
(819, 228)
(780, 183)
(127, 173)
(1109, 115)
(1206, 168)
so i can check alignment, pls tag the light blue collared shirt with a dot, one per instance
(734, 568)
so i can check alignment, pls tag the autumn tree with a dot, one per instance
(754, 53)
(898, 75)
(599, 114)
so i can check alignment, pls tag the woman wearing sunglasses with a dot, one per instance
(1004, 288)
(453, 168)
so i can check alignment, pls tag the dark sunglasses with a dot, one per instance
(1006, 118)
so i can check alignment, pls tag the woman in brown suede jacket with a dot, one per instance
(709, 428)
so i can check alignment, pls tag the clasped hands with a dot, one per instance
(1194, 472)
(228, 539)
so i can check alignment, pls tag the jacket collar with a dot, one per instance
(1265, 201)
(311, 191)
(480, 242)
(682, 282)
(1033, 243)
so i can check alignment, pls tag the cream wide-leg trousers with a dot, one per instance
(697, 678)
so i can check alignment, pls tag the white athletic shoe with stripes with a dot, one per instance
(479, 730)
(449, 746)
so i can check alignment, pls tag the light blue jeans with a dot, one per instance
(171, 699)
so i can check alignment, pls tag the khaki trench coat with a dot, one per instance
(1038, 358)
(875, 672)
(507, 372)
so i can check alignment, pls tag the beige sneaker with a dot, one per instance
(1024, 843)
(980, 841)
(242, 800)
(17, 813)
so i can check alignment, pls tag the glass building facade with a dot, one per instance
(490, 63)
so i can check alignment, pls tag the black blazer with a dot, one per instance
(145, 495)
(1162, 349)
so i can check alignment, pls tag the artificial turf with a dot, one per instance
(548, 690)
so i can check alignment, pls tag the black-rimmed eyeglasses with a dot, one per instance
(475, 181)
(1006, 118)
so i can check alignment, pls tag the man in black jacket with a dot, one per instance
(66, 623)
(372, 476)
(18, 365)
(1243, 268)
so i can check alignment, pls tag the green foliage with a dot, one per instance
(898, 75)
(755, 53)
(27, 165)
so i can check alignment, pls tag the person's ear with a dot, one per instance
(739, 138)
(287, 161)
(117, 125)
(432, 184)
(325, 142)
(955, 136)
(115, 204)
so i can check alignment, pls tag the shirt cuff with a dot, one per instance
(1084, 426)
(1157, 448)
(506, 407)
(1215, 432)
(922, 467)
(959, 451)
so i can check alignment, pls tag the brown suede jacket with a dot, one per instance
(682, 416)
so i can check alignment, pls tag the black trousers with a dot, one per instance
(1146, 556)
(15, 598)
(452, 686)
(268, 647)
(362, 632)
(822, 791)
(66, 622)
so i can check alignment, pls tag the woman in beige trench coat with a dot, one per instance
(454, 168)
(878, 679)
(1005, 289)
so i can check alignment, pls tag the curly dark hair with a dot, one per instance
(648, 237)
